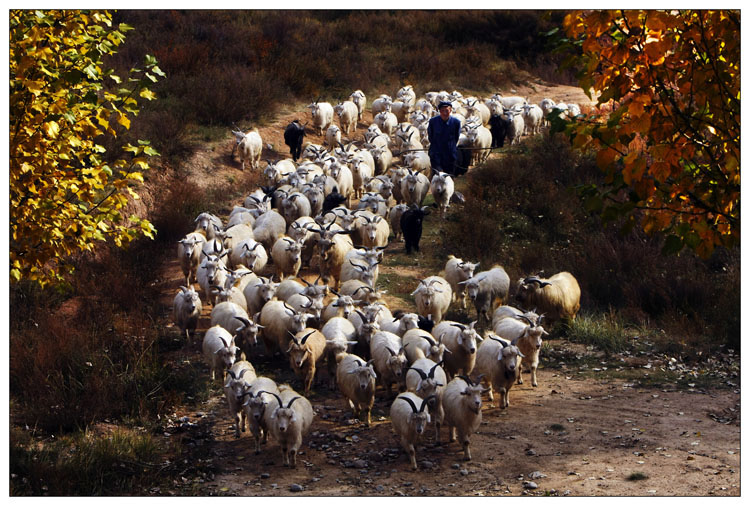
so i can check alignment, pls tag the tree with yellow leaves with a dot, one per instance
(671, 145)
(65, 194)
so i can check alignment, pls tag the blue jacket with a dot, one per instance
(443, 137)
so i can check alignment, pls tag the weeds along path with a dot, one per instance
(581, 432)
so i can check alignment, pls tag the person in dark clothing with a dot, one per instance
(443, 132)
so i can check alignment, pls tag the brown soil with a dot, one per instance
(576, 434)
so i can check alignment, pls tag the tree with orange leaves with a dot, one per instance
(671, 145)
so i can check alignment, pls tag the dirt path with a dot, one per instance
(565, 437)
(576, 434)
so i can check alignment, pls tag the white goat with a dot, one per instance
(414, 187)
(419, 343)
(239, 377)
(257, 293)
(207, 224)
(186, 310)
(258, 396)
(348, 113)
(386, 121)
(189, 253)
(461, 342)
(497, 360)
(486, 288)
(409, 422)
(442, 189)
(219, 350)
(268, 227)
(356, 381)
(533, 117)
(427, 379)
(280, 321)
(322, 116)
(287, 256)
(433, 297)
(251, 148)
(389, 359)
(462, 408)
(211, 272)
(235, 320)
(333, 136)
(558, 297)
(290, 422)
(360, 100)
(457, 270)
(516, 126)
(526, 333)
(380, 104)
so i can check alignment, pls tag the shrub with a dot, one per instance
(122, 463)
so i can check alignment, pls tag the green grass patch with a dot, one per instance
(120, 463)
(398, 286)
(606, 333)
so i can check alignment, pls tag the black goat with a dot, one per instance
(411, 226)
(293, 135)
(499, 129)
(426, 323)
(332, 200)
(462, 162)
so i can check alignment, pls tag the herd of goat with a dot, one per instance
(331, 212)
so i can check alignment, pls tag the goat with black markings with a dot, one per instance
(427, 379)
(290, 422)
(409, 422)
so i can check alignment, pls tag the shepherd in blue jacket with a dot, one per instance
(443, 133)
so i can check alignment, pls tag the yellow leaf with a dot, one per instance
(124, 121)
(147, 94)
(51, 129)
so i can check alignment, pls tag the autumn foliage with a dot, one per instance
(66, 191)
(671, 145)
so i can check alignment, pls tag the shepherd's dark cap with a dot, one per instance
(444, 103)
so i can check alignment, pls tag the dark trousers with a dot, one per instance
(441, 166)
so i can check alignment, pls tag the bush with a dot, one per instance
(122, 463)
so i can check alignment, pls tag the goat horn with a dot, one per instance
(524, 317)
(432, 370)
(467, 380)
(420, 371)
(428, 339)
(244, 320)
(411, 403)
(289, 405)
(505, 345)
(306, 336)
(281, 404)
(425, 401)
